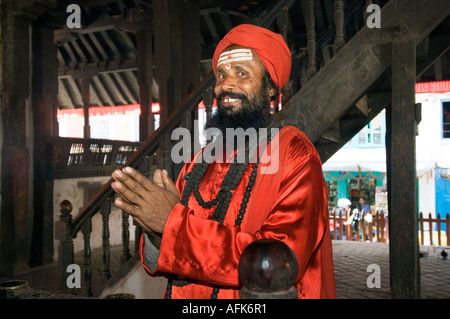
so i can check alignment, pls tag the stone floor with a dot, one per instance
(352, 259)
(351, 262)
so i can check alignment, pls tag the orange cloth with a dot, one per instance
(270, 47)
(290, 205)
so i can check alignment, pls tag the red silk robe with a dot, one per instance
(288, 205)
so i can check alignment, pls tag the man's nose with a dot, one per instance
(229, 83)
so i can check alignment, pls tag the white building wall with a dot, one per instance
(431, 148)
(429, 143)
(431, 151)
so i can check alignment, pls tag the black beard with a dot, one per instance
(252, 113)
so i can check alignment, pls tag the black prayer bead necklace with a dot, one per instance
(222, 198)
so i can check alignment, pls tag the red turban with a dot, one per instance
(270, 47)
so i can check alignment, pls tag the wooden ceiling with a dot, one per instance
(105, 47)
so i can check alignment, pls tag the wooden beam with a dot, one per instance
(74, 92)
(401, 172)
(81, 70)
(64, 100)
(111, 45)
(438, 44)
(95, 98)
(80, 52)
(131, 80)
(103, 94)
(98, 46)
(108, 84)
(211, 27)
(126, 38)
(69, 51)
(32, 9)
(225, 18)
(437, 66)
(89, 48)
(123, 87)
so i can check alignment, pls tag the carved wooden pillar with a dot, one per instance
(63, 232)
(339, 24)
(45, 125)
(177, 51)
(86, 230)
(282, 22)
(308, 12)
(191, 40)
(125, 237)
(176, 26)
(105, 211)
(167, 54)
(15, 155)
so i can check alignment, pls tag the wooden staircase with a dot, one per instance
(350, 88)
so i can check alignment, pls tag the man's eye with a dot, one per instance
(242, 73)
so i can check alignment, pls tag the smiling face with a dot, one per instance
(239, 79)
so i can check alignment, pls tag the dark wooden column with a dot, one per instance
(86, 98)
(177, 50)
(144, 43)
(191, 39)
(15, 152)
(167, 31)
(401, 169)
(44, 103)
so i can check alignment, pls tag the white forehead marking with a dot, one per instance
(234, 56)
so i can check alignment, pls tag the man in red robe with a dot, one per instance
(197, 228)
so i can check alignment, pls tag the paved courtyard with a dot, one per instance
(351, 262)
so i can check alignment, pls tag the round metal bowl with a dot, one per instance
(13, 288)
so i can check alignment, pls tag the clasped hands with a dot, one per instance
(149, 203)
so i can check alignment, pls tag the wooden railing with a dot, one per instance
(434, 229)
(75, 157)
(155, 151)
(374, 231)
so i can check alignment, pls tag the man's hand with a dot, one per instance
(149, 203)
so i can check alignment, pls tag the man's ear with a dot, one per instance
(271, 92)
